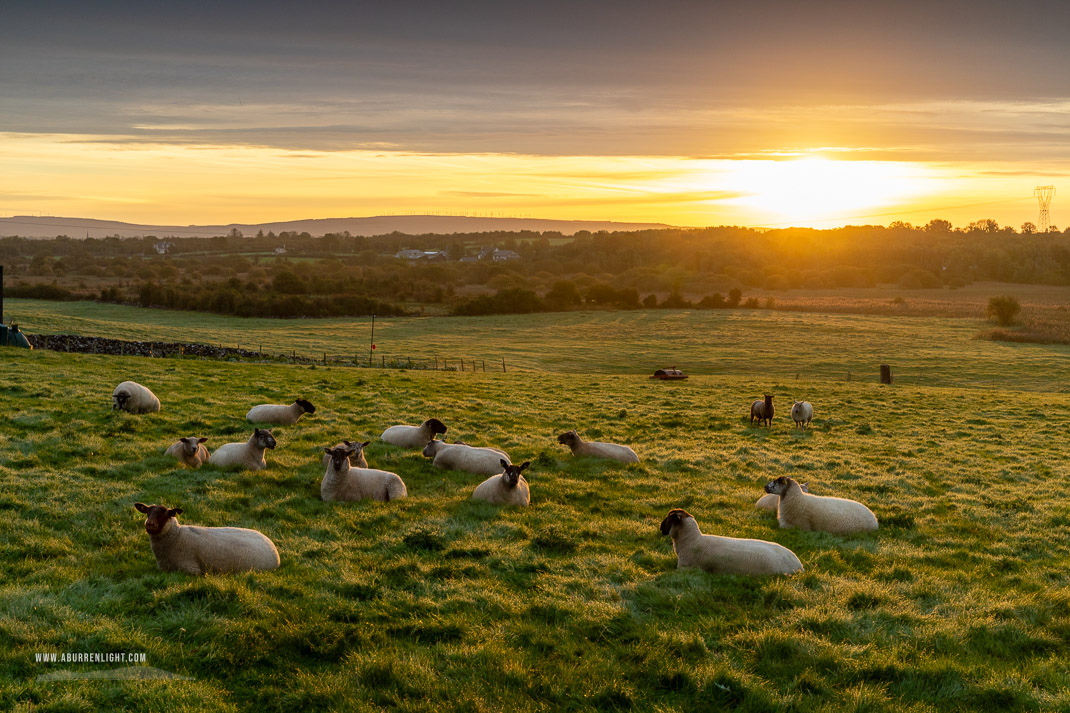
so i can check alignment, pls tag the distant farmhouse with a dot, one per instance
(281, 250)
(162, 246)
(440, 255)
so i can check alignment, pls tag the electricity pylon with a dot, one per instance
(1044, 195)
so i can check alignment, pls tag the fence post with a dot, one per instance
(484, 366)
(462, 364)
(886, 374)
(325, 358)
(503, 365)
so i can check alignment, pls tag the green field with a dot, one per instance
(960, 602)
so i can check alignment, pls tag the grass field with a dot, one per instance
(960, 602)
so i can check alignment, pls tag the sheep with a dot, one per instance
(248, 455)
(343, 482)
(356, 458)
(197, 550)
(507, 488)
(580, 447)
(801, 413)
(725, 555)
(189, 451)
(815, 512)
(460, 456)
(132, 397)
(762, 410)
(278, 414)
(771, 502)
(413, 436)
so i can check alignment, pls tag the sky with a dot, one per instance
(764, 113)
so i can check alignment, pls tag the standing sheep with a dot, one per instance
(132, 397)
(815, 512)
(725, 555)
(762, 410)
(413, 436)
(248, 455)
(189, 451)
(508, 488)
(772, 502)
(343, 482)
(596, 449)
(197, 550)
(278, 414)
(356, 458)
(801, 413)
(460, 456)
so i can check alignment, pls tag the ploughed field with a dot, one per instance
(960, 601)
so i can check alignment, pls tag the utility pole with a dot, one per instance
(371, 351)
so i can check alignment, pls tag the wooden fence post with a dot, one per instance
(886, 374)
(503, 365)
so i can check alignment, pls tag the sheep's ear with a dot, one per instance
(174, 511)
(365, 444)
(141, 507)
(504, 464)
(327, 449)
(256, 431)
(202, 440)
(524, 465)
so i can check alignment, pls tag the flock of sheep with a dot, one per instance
(197, 550)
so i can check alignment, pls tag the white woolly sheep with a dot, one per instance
(507, 488)
(343, 482)
(356, 458)
(413, 436)
(815, 512)
(278, 414)
(802, 412)
(762, 409)
(725, 555)
(596, 449)
(189, 451)
(132, 397)
(197, 550)
(248, 455)
(772, 502)
(461, 456)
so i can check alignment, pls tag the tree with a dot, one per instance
(734, 296)
(1028, 228)
(938, 225)
(1003, 309)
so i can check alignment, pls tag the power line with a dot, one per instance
(898, 212)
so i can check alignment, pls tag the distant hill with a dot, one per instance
(50, 227)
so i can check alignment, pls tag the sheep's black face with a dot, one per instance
(511, 474)
(118, 401)
(436, 425)
(674, 518)
(340, 457)
(264, 439)
(306, 405)
(567, 439)
(778, 486)
(157, 516)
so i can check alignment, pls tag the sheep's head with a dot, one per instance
(306, 405)
(263, 439)
(673, 520)
(157, 517)
(780, 486)
(340, 456)
(769, 398)
(435, 425)
(190, 444)
(431, 448)
(511, 474)
(569, 438)
(119, 399)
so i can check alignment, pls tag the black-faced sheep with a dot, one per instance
(507, 488)
(132, 397)
(802, 412)
(248, 455)
(413, 436)
(460, 456)
(356, 458)
(815, 512)
(278, 414)
(597, 449)
(189, 451)
(197, 550)
(772, 502)
(725, 555)
(343, 482)
(762, 410)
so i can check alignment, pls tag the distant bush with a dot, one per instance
(1004, 309)
(41, 291)
(510, 301)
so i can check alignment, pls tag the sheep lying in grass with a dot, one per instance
(132, 397)
(596, 449)
(507, 488)
(413, 436)
(461, 456)
(802, 412)
(248, 455)
(197, 550)
(278, 414)
(725, 555)
(343, 482)
(762, 410)
(815, 512)
(772, 502)
(190, 451)
(356, 458)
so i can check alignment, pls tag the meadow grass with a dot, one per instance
(765, 344)
(960, 602)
